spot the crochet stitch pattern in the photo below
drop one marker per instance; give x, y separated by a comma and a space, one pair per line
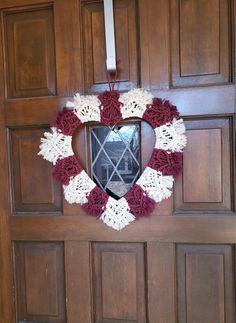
110, 108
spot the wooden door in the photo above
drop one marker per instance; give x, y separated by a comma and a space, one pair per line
58, 265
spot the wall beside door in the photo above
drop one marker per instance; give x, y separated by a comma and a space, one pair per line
59, 265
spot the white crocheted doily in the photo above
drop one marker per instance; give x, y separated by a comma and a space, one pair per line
171, 136
79, 188
157, 186
116, 214
55, 146
85, 107
135, 103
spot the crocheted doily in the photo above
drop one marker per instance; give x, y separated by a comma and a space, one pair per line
110, 108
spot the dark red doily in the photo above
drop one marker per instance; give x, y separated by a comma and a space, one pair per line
110, 108
160, 112
66, 121
65, 169
140, 204
97, 201
167, 163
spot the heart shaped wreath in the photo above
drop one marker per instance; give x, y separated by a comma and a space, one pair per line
110, 108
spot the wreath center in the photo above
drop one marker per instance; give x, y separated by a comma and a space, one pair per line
115, 155
110, 108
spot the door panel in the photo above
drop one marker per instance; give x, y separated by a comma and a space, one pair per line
176, 266
200, 42
40, 282
30, 72
125, 15
33, 190
157, 67
119, 287
207, 168
205, 283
